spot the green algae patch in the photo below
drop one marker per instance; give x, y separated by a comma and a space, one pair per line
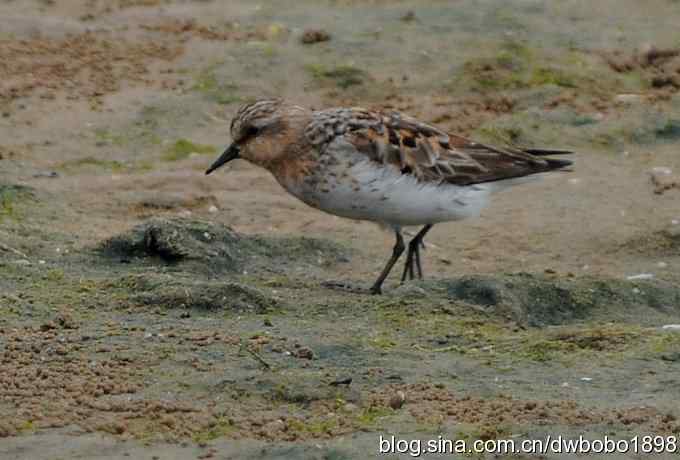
208, 84
664, 242
93, 163
570, 344
516, 66
182, 148
634, 126
107, 137
343, 76
12, 199
371, 415
222, 427
655, 127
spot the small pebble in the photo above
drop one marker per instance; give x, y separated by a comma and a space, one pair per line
628, 98
662, 170
311, 36
213, 209
349, 407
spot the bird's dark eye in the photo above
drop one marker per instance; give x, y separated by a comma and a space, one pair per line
252, 131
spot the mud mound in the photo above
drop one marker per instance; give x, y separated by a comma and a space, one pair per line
538, 300
209, 247
171, 292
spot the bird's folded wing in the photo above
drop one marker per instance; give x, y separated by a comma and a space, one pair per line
432, 155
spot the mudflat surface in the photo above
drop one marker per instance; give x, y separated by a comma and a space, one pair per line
147, 310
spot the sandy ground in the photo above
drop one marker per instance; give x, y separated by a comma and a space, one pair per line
148, 311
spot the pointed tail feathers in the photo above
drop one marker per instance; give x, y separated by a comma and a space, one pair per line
553, 163
558, 164
542, 152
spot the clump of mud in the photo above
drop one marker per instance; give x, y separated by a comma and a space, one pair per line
660, 66
538, 300
170, 292
209, 247
311, 36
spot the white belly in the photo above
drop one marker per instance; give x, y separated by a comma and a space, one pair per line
367, 191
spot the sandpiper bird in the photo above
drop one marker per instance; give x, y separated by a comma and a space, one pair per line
384, 167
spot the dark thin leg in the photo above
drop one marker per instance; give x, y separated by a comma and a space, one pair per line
418, 266
413, 257
396, 253
417, 243
408, 266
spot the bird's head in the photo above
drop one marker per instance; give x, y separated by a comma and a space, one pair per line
260, 132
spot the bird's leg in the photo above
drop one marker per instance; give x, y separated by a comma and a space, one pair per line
418, 243
408, 265
396, 253
418, 266
413, 257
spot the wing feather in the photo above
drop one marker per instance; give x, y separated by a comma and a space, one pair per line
424, 151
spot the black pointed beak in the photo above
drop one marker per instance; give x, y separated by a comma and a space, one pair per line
231, 153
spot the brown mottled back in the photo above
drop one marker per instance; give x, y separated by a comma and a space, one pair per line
424, 151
